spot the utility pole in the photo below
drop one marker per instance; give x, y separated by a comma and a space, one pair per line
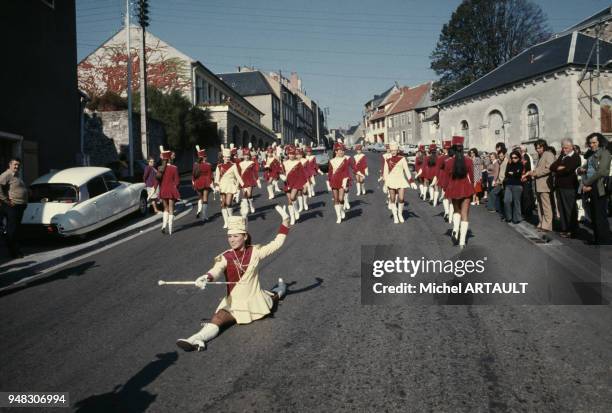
143, 21
129, 86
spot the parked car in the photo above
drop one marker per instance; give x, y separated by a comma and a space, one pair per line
368, 146
76, 201
378, 147
408, 149
322, 157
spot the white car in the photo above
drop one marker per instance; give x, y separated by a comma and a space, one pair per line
76, 201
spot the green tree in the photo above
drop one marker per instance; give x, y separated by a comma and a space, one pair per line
480, 36
185, 125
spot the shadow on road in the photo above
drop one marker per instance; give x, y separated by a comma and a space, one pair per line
129, 397
314, 285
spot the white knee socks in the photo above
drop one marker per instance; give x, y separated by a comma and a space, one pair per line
338, 209
463, 233
199, 339
435, 197
170, 221
244, 207
252, 208
305, 202
445, 205
456, 223
199, 207
270, 191
347, 205
164, 220
451, 211
400, 211
394, 211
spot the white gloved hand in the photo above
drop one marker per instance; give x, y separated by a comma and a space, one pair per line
258, 184
202, 281
328, 186
283, 177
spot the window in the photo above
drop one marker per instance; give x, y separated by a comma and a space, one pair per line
96, 187
390, 122
210, 93
403, 136
465, 131
111, 181
54, 193
606, 114
533, 122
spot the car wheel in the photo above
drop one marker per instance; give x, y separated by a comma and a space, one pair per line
143, 205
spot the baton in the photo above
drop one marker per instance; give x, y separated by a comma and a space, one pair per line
162, 282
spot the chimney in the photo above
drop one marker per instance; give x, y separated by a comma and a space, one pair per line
295, 81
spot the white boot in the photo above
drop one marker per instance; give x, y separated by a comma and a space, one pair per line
270, 191
291, 210
338, 209
312, 190
276, 188
237, 197
300, 204
342, 213
199, 339
394, 211
199, 208
436, 197
400, 211
445, 205
164, 221
451, 211
431, 193
280, 289
244, 208
463, 233
305, 201
251, 207
205, 212
456, 223
423, 191
224, 214
347, 204
170, 221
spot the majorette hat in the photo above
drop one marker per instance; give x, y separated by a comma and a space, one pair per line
300, 151
457, 140
245, 151
421, 147
446, 144
164, 154
201, 152
290, 150
270, 150
308, 149
358, 147
433, 147
236, 225
339, 146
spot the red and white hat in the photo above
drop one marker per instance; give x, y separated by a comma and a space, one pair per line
270, 150
290, 150
308, 149
339, 146
358, 147
433, 147
457, 140
246, 151
299, 151
201, 152
421, 147
164, 154
446, 144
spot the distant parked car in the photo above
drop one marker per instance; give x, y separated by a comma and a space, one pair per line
322, 157
378, 147
76, 201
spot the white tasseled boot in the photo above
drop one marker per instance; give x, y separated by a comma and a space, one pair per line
358, 186
291, 210
338, 209
451, 211
400, 211
300, 204
456, 223
270, 191
431, 193
224, 214
244, 208
423, 190
435, 197
305, 202
394, 212
276, 188
342, 213
347, 204
164, 221
463, 230
312, 190
251, 207
445, 205
199, 339
170, 221
441, 195
199, 208
363, 190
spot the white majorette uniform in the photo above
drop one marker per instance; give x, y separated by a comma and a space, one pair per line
245, 300
248, 173
228, 179
361, 169
338, 175
397, 176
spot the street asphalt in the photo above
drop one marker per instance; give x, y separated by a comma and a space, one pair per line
104, 331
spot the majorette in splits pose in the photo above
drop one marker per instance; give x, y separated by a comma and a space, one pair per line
228, 180
201, 180
460, 189
245, 301
396, 175
338, 175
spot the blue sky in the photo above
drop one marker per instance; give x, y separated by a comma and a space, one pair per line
344, 50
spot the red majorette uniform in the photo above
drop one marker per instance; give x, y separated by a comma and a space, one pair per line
201, 180
339, 174
431, 172
295, 179
360, 168
418, 168
313, 169
303, 197
397, 175
272, 171
460, 189
249, 177
442, 178
168, 189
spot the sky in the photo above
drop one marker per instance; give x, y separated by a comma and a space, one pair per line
345, 51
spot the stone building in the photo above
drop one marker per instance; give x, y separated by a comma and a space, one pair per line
403, 121
373, 127
551, 91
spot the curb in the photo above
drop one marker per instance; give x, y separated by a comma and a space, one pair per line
87, 249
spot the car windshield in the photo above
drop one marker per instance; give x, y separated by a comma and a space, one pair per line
53, 193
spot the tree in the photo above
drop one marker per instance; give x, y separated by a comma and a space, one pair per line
480, 36
185, 125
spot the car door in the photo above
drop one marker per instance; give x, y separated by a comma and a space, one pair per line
118, 192
100, 197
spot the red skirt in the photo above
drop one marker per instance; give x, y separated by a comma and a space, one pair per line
202, 183
295, 180
248, 179
459, 188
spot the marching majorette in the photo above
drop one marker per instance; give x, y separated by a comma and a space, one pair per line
228, 180
460, 190
245, 301
430, 170
442, 175
201, 180
295, 179
272, 171
338, 173
247, 169
314, 169
397, 174
419, 160
447, 175
168, 191
303, 193
361, 169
